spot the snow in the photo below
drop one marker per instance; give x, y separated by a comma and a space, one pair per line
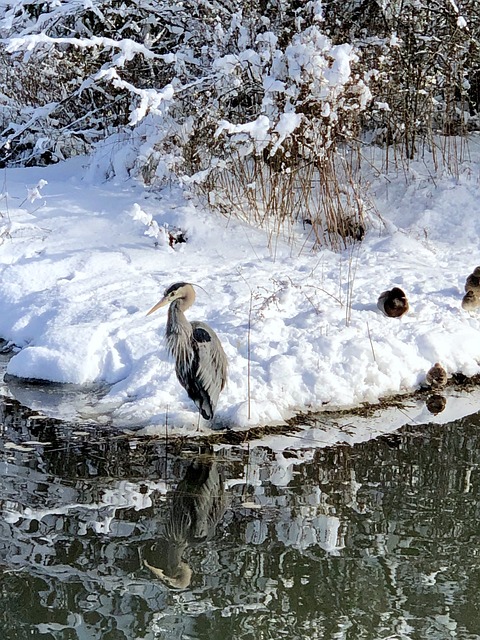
83, 260
287, 124
129, 49
257, 131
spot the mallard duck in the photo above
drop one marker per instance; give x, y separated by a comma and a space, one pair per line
436, 376
473, 282
393, 303
470, 301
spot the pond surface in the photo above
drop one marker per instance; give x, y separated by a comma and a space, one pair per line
110, 536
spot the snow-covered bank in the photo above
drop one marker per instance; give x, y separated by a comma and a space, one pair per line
79, 274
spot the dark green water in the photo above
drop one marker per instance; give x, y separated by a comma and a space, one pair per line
378, 541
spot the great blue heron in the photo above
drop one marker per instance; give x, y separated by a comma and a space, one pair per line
200, 361
393, 303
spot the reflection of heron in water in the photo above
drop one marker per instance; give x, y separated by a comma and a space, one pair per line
198, 504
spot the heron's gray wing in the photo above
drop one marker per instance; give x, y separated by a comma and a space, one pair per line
188, 374
212, 361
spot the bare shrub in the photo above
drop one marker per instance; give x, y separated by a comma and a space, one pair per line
325, 198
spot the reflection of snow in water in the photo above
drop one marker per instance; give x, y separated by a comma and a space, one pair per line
303, 531
300, 532
124, 495
81, 526
304, 520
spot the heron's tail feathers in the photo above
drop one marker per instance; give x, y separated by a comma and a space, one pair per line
205, 406
198, 391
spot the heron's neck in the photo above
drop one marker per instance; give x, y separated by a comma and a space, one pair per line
188, 298
179, 330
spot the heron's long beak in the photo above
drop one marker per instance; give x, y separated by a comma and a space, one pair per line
181, 580
159, 304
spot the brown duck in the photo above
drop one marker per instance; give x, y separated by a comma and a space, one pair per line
436, 376
470, 301
393, 303
473, 282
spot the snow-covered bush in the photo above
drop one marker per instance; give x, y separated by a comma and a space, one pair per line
256, 106
75, 72
203, 91
422, 61
78, 72
281, 163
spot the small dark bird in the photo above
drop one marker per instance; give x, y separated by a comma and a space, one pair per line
393, 303
470, 301
200, 361
473, 282
436, 376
